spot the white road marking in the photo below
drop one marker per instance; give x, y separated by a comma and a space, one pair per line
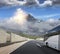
38, 44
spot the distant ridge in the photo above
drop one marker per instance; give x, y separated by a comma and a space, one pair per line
55, 29
30, 18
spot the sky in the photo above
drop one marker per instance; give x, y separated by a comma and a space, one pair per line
14, 14
41, 9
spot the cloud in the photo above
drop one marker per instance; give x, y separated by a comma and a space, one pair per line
18, 22
48, 16
11, 2
31, 2
55, 2
18, 2
53, 22
19, 17
28, 3
24, 3
46, 3
50, 3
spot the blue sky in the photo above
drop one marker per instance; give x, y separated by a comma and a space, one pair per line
37, 12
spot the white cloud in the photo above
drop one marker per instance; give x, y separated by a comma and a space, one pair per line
17, 2
11, 2
48, 16
28, 3
19, 22
19, 17
49, 3
53, 22
25, 2
46, 3
55, 2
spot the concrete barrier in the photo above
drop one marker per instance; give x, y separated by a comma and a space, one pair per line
6, 37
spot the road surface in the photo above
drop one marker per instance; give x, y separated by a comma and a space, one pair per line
32, 48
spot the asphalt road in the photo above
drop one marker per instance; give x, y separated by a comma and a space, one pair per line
32, 48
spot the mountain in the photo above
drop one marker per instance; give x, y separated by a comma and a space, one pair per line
30, 18
54, 31
57, 28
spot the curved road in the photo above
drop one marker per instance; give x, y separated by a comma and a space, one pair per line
32, 48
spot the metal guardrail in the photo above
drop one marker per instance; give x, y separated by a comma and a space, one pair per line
52, 33
46, 36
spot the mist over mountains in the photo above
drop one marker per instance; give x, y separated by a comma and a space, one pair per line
27, 24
